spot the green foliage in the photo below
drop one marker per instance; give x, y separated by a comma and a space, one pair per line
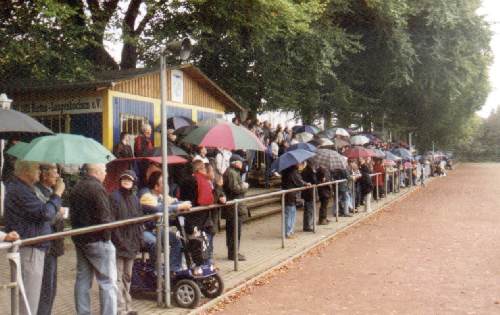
415, 66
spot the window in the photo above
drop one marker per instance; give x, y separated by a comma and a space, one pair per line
132, 123
56, 123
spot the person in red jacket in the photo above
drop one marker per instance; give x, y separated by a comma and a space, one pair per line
378, 167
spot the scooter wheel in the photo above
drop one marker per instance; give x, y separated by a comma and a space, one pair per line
187, 293
212, 286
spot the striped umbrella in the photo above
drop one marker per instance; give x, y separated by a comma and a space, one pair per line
329, 159
224, 135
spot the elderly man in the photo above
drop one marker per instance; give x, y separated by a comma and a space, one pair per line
234, 188
44, 189
95, 254
143, 146
30, 217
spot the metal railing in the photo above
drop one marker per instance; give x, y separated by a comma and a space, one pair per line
14, 246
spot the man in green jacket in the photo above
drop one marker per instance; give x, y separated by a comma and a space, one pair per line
234, 188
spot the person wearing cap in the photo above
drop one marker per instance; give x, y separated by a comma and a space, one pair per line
127, 239
234, 188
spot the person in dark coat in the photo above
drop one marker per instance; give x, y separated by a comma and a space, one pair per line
123, 148
291, 179
127, 239
143, 147
366, 185
234, 188
95, 253
30, 217
44, 189
309, 176
342, 174
324, 193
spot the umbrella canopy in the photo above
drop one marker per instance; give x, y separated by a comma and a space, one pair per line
63, 149
304, 137
176, 123
291, 158
184, 131
19, 126
303, 146
171, 150
403, 153
340, 143
306, 128
379, 154
391, 156
326, 142
389, 163
329, 159
224, 135
213, 122
338, 132
328, 134
358, 152
360, 140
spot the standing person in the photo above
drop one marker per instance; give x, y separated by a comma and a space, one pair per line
95, 253
324, 193
127, 239
143, 146
308, 175
123, 148
44, 189
272, 153
202, 155
379, 180
222, 160
366, 186
30, 217
291, 179
343, 190
234, 188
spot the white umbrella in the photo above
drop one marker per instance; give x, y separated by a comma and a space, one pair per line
304, 137
339, 132
359, 140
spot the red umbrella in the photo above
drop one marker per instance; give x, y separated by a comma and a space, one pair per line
116, 167
358, 152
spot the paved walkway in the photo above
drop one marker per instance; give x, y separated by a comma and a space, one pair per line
261, 243
435, 252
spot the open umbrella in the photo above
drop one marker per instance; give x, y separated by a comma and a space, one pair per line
19, 126
358, 152
171, 150
390, 156
184, 131
224, 135
403, 153
291, 158
329, 159
338, 132
305, 128
176, 123
213, 122
360, 140
304, 137
379, 154
63, 149
340, 143
325, 134
304, 146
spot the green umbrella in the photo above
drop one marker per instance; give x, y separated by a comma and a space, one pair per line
62, 149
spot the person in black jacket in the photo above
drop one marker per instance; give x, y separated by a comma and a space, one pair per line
291, 179
342, 174
127, 239
308, 175
95, 253
366, 186
324, 193
123, 148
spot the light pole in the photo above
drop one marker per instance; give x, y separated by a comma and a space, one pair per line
183, 48
5, 103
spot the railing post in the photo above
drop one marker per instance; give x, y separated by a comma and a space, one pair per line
14, 291
336, 201
314, 208
376, 186
283, 220
235, 235
353, 192
385, 185
159, 285
393, 183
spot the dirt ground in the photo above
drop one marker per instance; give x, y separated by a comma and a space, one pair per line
435, 252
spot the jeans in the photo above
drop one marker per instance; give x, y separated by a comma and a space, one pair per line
32, 263
175, 249
96, 259
343, 203
124, 269
290, 213
308, 215
49, 285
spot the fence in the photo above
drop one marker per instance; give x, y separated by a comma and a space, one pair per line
334, 185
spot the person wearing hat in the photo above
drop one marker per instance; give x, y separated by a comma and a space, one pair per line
127, 239
234, 188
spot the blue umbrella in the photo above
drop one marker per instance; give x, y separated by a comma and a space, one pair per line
391, 156
304, 146
403, 153
306, 128
291, 158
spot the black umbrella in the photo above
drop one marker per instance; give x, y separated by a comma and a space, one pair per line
176, 123
184, 131
171, 150
18, 126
